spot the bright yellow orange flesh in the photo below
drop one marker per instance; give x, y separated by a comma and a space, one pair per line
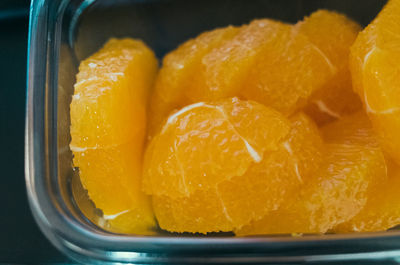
332, 34
176, 79
235, 202
108, 123
233, 142
276, 64
352, 166
382, 210
374, 64
204, 144
287, 70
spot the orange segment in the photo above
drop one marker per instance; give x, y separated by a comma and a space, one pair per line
112, 178
137, 220
382, 101
227, 67
351, 129
334, 100
287, 69
266, 61
375, 70
333, 34
382, 210
180, 68
202, 212
304, 146
110, 166
349, 171
268, 184
104, 90
108, 123
264, 186
201, 145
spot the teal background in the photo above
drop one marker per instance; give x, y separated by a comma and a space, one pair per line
20, 238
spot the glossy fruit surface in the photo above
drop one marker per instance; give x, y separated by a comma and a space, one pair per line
382, 210
108, 125
352, 166
265, 184
332, 34
274, 63
374, 63
203, 144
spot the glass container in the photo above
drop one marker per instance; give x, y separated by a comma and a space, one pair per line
63, 32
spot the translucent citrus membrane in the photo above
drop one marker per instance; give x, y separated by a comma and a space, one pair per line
109, 102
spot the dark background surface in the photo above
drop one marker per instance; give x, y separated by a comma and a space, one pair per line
21, 241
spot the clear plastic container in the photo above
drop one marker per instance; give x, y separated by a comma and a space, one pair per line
63, 32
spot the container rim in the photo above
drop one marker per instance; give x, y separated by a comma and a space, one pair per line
81, 242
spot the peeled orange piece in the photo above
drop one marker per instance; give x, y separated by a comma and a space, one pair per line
237, 201
382, 210
288, 68
180, 72
375, 68
352, 166
204, 144
332, 34
108, 124
266, 61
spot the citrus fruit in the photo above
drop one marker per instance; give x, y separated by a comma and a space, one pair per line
351, 167
205, 143
287, 70
375, 70
108, 123
266, 61
104, 171
180, 68
382, 210
235, 202
333, 34
335, 100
